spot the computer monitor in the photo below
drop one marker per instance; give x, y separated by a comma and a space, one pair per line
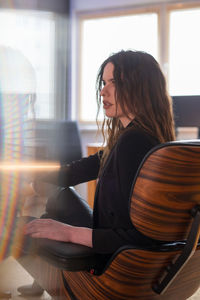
187, 111
57, 141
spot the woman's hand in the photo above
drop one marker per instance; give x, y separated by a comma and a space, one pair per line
54, 230
48, 228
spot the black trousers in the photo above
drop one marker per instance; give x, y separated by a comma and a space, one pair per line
67, 206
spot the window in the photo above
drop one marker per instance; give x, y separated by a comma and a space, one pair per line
184, 50
103, 36
33, 34
170, 32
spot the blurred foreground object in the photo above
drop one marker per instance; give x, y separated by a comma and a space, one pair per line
17, 97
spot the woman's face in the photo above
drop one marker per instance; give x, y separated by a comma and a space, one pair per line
111, 108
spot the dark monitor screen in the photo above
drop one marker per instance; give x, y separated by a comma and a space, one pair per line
186, 111
57, 140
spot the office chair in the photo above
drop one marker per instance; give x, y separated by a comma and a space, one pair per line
165, 206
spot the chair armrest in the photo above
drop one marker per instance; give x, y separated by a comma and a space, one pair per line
67, 256
75, 257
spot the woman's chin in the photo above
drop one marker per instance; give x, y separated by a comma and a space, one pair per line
109, 115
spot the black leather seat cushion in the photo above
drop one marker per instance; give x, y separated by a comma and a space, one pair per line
67, 256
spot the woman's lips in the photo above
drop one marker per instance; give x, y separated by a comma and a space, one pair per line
106, 104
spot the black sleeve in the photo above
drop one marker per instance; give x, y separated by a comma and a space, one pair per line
79, 171
130, 151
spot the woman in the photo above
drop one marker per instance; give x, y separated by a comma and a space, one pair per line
138, 116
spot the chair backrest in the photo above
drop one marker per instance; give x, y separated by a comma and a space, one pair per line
166, 188
68, 142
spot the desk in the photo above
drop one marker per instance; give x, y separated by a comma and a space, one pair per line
92, 149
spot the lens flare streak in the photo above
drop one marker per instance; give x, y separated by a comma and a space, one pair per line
29, 167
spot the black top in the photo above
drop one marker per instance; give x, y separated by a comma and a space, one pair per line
112, 226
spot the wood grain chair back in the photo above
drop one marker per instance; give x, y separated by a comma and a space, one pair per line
166, 189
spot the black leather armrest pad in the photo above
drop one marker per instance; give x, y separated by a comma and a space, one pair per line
67, 256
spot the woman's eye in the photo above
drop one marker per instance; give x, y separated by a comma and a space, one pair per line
103, 83
113, 81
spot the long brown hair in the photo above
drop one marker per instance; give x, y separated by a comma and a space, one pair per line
140, 87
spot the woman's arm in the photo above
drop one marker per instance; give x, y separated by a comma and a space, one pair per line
77, 172
54, 230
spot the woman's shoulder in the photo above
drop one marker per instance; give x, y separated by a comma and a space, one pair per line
133, 135
132, 146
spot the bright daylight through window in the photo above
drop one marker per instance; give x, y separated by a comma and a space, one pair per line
33, 34
184, 52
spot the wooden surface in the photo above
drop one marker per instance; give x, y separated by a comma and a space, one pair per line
92, 149
131, 276
166, 190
